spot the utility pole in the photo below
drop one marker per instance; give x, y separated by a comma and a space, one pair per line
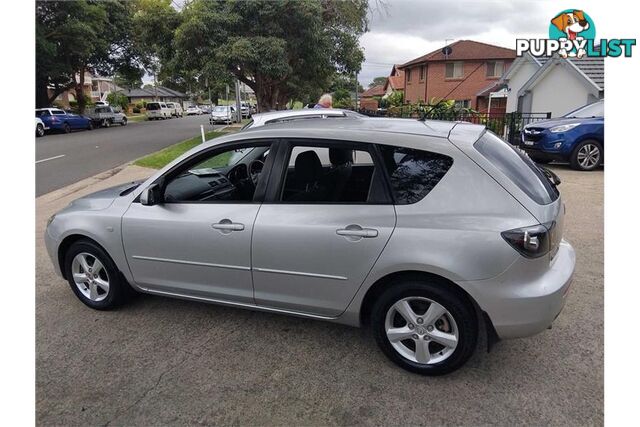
238, 107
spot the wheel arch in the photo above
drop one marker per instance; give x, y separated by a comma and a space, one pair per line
383, 283
66, 244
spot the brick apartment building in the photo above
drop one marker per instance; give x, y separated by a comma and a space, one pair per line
467, 73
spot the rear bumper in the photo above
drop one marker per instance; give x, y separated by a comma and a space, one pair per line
521, 302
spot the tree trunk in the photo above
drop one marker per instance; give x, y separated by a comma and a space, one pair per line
82, 101
42, 94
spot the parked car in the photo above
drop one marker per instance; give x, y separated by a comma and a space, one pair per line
222, 114
158, 111
246, 110
206, 109
193, 110
101, 103
57, 119
176, 109
357, 221
40, 128
577, 137
105, 116
280, 116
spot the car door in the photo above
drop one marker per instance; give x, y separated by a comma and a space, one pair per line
197, 241
326, 220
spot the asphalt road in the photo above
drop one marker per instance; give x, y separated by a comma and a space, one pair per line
62, 159
160, 361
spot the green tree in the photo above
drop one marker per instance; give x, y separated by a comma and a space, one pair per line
75, 37
282, 50
378, 81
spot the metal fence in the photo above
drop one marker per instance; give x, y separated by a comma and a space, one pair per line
507, 125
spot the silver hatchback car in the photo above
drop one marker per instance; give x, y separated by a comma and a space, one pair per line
429, 232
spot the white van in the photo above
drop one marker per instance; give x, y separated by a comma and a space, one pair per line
158, 111
176, 109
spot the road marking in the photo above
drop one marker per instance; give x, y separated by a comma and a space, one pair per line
50, 158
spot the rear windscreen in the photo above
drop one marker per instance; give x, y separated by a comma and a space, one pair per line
518, 167
153, 106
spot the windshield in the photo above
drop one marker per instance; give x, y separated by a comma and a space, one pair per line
220, 109
153, 106
592, 110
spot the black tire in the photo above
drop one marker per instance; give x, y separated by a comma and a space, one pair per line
39, 130
438, 291
90, 125
118, 288
575, 163
66, 128
123, 122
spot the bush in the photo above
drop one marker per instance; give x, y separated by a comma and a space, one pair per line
118, 99
136, 110
141, 105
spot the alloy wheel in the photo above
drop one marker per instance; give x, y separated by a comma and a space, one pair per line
589, 156
421, 330
40, 130
90, 276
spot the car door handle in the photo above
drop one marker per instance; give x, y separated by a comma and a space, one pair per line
227, 225
357, 231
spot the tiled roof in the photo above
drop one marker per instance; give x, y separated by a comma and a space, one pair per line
466, 50
377, 90
592, 67
396, 82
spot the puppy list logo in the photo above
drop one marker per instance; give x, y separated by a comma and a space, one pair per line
572, 33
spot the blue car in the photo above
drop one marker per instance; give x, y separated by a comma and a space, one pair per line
577, 137
57, 119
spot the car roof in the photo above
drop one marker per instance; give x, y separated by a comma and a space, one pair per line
359, 127
281, 114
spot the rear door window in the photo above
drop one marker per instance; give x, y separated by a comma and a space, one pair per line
413, 173
518, 167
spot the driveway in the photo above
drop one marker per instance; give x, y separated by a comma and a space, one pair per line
62, 159
164, 361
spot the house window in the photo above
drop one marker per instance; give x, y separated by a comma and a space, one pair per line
495, 68
453, 70
409, 75
462, 103
422, 72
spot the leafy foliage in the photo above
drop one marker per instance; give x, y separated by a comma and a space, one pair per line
378, 81
118, 99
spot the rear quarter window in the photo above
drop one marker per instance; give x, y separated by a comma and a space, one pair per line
518, 167
413, 173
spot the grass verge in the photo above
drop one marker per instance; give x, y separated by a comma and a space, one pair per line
161, 158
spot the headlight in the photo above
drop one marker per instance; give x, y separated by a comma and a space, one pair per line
50, 220
564, 128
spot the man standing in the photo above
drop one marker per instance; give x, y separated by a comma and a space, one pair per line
325, 101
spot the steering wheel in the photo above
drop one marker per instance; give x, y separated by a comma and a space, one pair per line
255, 167
238, 173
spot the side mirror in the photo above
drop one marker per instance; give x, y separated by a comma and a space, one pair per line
151, 195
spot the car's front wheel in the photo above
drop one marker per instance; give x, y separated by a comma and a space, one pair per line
93, 276
123, 122
425, 326
66, 128
587, 155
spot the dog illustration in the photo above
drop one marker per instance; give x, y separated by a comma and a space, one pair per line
572, 24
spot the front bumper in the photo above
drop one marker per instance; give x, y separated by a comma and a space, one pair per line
521, 302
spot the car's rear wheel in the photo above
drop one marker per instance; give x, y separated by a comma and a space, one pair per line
39, 130
93, 276
424, 326
587, 155
66, 128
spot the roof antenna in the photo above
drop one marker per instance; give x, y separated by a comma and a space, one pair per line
446, 50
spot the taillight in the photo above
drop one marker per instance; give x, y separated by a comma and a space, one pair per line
531, 242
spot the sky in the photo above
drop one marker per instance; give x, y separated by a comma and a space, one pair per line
402, 30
